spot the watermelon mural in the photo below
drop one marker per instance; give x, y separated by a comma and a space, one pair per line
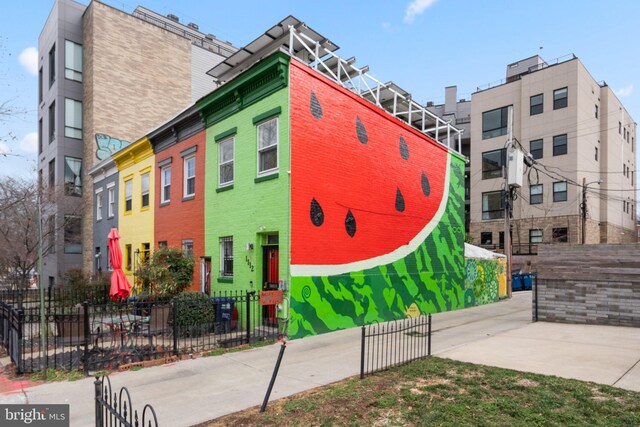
377, 213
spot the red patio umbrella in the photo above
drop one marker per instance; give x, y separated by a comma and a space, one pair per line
120, 286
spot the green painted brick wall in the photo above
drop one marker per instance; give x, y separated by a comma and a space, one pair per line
250, 210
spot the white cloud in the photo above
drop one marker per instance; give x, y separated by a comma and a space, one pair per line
415, 8
4, 149
30, 142
625, 91
29, 60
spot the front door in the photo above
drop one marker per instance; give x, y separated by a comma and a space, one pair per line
205, 275
270, 281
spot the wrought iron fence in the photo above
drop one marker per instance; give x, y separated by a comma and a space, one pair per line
394, 343
93, 337
115, 408
55, 296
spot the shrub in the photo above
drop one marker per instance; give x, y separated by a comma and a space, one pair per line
167, 273
194, 314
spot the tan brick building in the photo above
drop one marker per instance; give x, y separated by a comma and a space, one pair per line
578, 132
106, 78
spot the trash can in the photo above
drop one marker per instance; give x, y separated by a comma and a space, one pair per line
223, 307
517, 282
528, 281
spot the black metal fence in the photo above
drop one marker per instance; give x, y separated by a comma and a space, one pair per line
56, 296
394, 343
92, 336
116, 409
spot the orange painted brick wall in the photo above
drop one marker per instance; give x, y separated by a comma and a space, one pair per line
181, 219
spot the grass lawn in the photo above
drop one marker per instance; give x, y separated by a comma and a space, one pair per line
442, 392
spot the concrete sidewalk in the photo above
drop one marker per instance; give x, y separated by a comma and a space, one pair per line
195, 391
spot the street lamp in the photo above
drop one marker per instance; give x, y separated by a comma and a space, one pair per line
586, 184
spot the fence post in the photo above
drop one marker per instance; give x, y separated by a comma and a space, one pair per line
85, 308
429, 337
362, 354
18, 345
536, 296
175, 326
97, 384
248, 315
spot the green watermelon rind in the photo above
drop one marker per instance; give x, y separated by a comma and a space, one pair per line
308, 270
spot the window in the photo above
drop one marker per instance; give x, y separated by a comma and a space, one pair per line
620, 128
492, 162
486, 238
559, 98
52, 65
40, 86
560, 191
624, 133
52, 174
225, 162
128, 193
596, 111
535, 194
145, 190
536, 148
596, 153
72, 176
535, 235
72, 118
535, 104
165, 184
145, 253
493, 205
187, 247
127, 257
51, 231
268, 146
560, 145
226, 256
495, 122
72, 234
97, 256
72, 61
99, 206
189, 176
111, 195
162, 244
501, 240
40, 136
52, 121
559, 235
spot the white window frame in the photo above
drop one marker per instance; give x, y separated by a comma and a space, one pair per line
142, 190
99, 204
231, 141
111, 200
261, 150
164, 184
72, 69
224, 240
72, 127
128, 194
186, 178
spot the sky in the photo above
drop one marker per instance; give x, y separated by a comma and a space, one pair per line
421, 45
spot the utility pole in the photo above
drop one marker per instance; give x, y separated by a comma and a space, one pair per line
507, 202
584, 209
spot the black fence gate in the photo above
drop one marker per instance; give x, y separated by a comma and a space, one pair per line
115, 408
394, 343
11, 332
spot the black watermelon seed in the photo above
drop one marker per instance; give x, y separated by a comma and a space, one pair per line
317, 215
316, 108
350, 224
404, 150
399, 201
361, 131
426, 187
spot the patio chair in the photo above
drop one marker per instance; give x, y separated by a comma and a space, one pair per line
71, 329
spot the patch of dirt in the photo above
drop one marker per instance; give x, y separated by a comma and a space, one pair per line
599, 398
528, 383
386, 419
472, 374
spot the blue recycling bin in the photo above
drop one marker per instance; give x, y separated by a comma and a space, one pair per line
528, 281
223, 314
517, 282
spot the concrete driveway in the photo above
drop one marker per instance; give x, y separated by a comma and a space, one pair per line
500, 334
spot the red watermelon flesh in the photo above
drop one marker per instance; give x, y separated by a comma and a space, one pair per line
363, 183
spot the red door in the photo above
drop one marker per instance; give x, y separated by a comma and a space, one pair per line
271, 281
